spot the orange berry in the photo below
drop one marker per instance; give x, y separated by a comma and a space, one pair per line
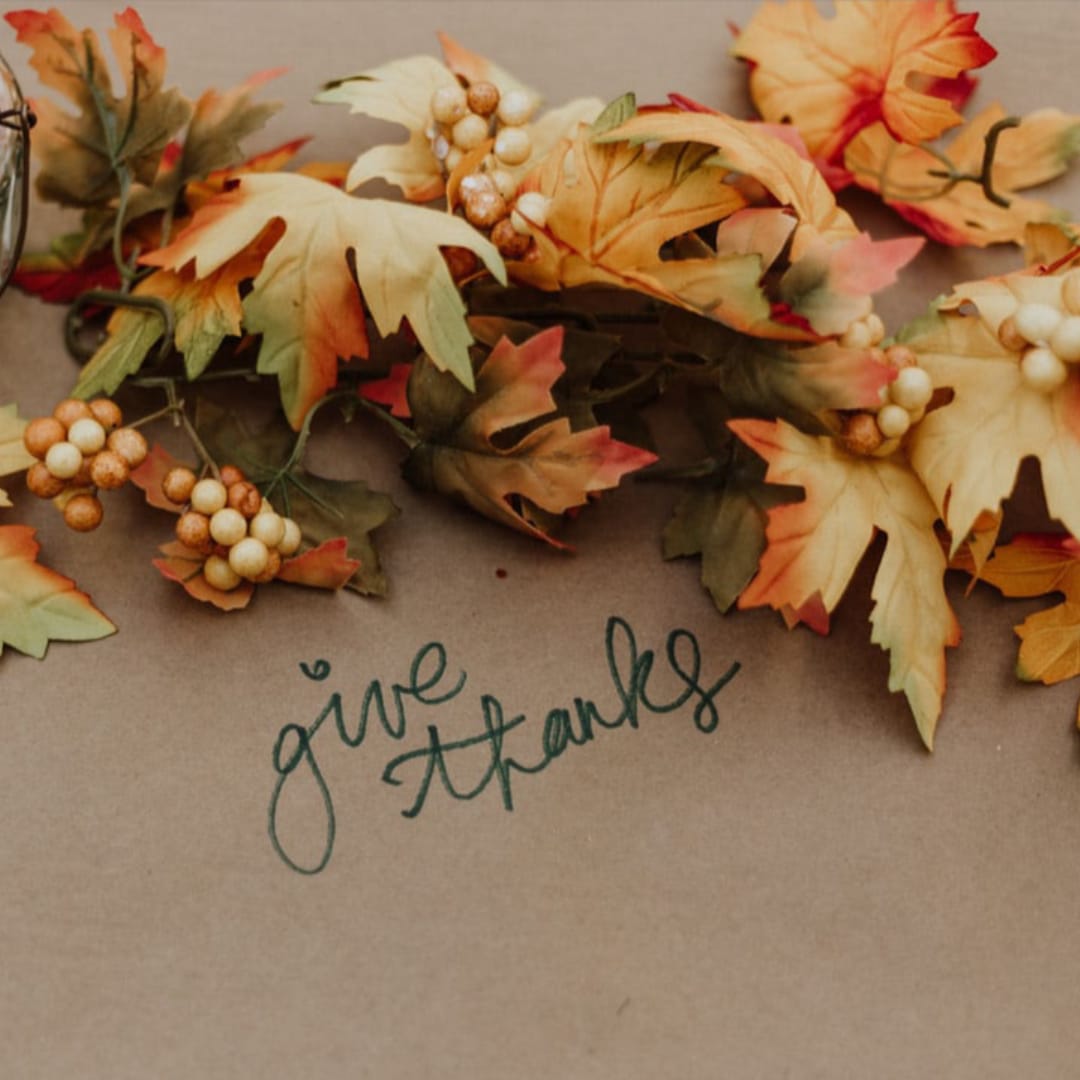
193, 531
83, 512
177, 485
273, 565
130, 445
108, 470
511, 243
230, 475
42, 483
460, 261
862, 436
71, 409
106, 412
42, 433
482, 98
484, 208
245, 497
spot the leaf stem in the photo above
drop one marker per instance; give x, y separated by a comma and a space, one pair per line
402, 431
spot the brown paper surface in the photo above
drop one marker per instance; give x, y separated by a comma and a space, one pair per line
802, 891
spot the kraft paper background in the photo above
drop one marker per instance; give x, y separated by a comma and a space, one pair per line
804, 892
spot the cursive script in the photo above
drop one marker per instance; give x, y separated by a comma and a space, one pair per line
430, 684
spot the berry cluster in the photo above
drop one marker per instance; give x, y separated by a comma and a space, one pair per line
81, 450
1047, 337
229, 522
904, 404
464, 118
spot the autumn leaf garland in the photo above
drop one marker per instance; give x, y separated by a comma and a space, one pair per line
819, 431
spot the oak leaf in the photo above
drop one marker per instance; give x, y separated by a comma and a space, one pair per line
894, 62
814, 547
968, 452
305, 302
38, 605
78, 153
1036, 151
470, 447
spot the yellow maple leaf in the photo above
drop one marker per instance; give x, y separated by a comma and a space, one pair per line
14, 457
872, 61
401, 92
1036, 151
1033, 565
814, 547
304, 301
968, 453
618, 199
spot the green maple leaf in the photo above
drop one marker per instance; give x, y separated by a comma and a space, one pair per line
323, 508
79, 154
38, 605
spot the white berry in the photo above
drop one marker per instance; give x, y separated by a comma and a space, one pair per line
532, 207
249, 557
504, 182
453, 158
87, 434
219, 574
1037, 322
857, 336
267, 527
893, 421
449, 104
1070, 292
1065, 340
290, 542
1042, 370
876, 327
63, 460
515, 108
513, 146
469, 132
228, 526
208, 496
912, 388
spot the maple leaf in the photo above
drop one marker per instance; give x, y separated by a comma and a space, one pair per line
305, 301
324, 567
814, 547
185, 566
893, 62
761, 378
205, 312
1036, 151
325, 509
722, 515
14, 457
1034, 565
401, 92
78, 155
38, 605
462, 449
968, 452
696, 178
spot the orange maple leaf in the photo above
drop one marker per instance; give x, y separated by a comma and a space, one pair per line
547, 471
897, 62
1034, 565
1036, 151
814, 547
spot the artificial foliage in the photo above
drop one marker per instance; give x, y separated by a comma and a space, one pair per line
547, 277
